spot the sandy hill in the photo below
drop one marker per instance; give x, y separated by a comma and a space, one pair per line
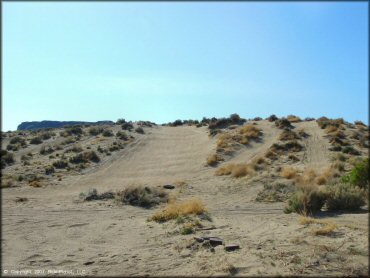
243, 174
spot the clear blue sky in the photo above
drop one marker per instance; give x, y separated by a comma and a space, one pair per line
167, 61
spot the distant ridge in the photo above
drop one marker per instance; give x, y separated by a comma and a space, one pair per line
56, 124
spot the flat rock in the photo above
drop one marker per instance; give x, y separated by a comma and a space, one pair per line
214, 241
232, 247
168, 186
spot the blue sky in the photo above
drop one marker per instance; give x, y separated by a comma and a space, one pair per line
183, 60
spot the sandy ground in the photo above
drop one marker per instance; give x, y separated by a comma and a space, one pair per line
52, 231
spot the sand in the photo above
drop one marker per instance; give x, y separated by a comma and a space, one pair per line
54, 231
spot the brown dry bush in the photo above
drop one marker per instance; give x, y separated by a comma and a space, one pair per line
142, 196
283, 123
250, 132
213, 159
327, 227
293, 119
288, 134
288, 172
235, 170
293, 157
302, 133
308, 176
175, 209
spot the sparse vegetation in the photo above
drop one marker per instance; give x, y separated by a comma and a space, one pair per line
95, 130
288, 172
36, 140
60, 164
85, 157
213, 159
343, 196
278, 192
107, 133
283, 123
235, 170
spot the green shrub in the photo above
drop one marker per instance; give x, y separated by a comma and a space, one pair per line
95, 130
122, 135
107, 133
13, 148
36, 140
17, 140
46, 150
359, 175
343, 196
307, 199
120, 121
127, 126
139, 130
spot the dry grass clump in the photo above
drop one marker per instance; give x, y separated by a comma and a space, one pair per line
271, 154
176, 209
327, 228
324, 177
302, 133
288, 134
293, 157
250, 132
235, 170
288, 172
224, 142
293, 119
213, 159
324, 122
35, 183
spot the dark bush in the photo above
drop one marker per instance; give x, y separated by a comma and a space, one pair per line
49, 170
107, 133
120, 121
60, 164
139, 130
272, 118
36, 140
142, 196
84, 157
350, 150
127, 126
283, 123
46, 150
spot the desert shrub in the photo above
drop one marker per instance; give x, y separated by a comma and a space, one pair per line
293, 119
69, 140
127, 126
293, 157
213, 159
46, 150
95, 130
290, 146
306, 200
36, 140
84, 157
340, 166
107, 133
302, 133
271, 154
272, 118
278, 192
60, 164
176, 209
18, 140
350, 150
359, 175
233, 119
46, 135
343, 196
288, 172
35, 183
235, 170
14, 148
73, 130
142, 196
139, 130
288, 134
92, 194
309, 119
7, 157
49, 170
250, 132
324, 122
176, 123
283, 123
122, 135
120, 121
257, 119
359, 123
